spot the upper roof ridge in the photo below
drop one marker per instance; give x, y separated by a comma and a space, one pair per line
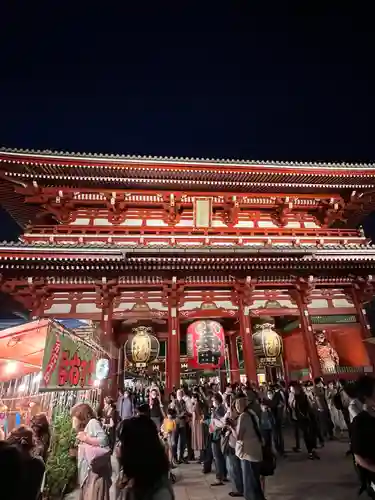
111, 156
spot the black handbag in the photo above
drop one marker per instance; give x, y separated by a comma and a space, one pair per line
268, 463
226, 448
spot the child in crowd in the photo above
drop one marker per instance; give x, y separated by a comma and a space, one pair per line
168, 431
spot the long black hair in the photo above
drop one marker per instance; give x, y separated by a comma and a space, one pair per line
142, 458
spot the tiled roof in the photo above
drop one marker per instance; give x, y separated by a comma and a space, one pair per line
66, 247
15, 205
176, 159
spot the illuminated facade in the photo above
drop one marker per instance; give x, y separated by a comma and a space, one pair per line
122, 241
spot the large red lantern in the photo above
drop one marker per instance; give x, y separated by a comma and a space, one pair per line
205, 344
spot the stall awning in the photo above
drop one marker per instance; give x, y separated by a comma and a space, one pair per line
22, 348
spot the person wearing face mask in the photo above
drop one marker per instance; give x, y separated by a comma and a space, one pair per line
363, 434
304, 420
311, 397
156, 410
180, 432
278, 411
216, 428
249, 450
124, 405
323, 414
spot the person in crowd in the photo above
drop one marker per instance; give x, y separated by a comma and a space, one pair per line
42, 435
156, 408
2, 434
363, 433
293, 416
143, 411
253, 399
353, 403
315, 421
144, 463
267, 430
278, 407
267, 423
228, 447
249, 450
284, 390
110, 419
124, 405
206, 398
216, 428
168, 430
323, 414
180, 434
197, 427
337, 416
12, 469
172, 399
304, 420
94, 456
228, 390
189, 410
33, 466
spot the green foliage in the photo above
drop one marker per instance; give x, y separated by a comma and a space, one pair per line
61, 467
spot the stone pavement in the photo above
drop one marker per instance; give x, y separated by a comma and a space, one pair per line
296, 478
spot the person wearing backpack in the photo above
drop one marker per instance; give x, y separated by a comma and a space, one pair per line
363, 434
335, 408
278, 407
216, 429
228, 447
249, 450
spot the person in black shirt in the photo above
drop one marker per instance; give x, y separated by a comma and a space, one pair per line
11, 469
302, 415
156, 409
34, 468
363, 433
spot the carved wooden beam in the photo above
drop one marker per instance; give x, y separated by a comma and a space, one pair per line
303, 287
231, 210
330, 211
243, 291
364, 288
117, 208
284, 206
173, 294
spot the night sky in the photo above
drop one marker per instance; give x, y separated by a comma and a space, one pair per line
251, 80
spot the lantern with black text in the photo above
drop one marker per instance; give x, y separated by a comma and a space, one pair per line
205, 344
143, 347
268, 345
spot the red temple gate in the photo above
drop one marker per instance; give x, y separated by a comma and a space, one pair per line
129, 241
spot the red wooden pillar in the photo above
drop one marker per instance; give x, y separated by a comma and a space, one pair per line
361, 313
247, 343
365, 327
173, 366
308, 337
168, 365
233, 359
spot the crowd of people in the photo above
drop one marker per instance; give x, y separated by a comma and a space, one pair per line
239, 432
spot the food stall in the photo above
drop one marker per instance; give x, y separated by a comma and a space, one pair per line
44, 367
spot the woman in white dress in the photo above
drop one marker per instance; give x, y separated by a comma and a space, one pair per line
94, 455
336, 414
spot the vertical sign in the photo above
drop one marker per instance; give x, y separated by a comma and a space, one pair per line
202, 213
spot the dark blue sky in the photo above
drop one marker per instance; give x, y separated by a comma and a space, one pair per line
253, 79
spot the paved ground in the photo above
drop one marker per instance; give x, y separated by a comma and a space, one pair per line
296, 478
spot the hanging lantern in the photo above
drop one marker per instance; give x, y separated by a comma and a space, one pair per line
143, 347
205, 344
268, 345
